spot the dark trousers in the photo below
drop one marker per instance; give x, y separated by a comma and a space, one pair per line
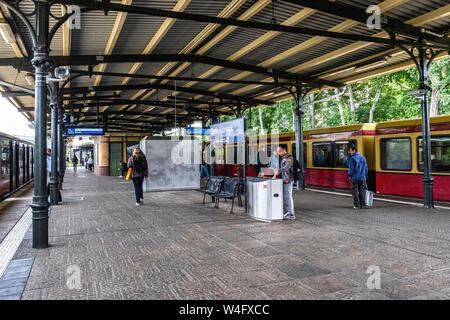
358, 190
124, 173
138, 191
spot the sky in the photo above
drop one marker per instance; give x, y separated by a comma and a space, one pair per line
13, 122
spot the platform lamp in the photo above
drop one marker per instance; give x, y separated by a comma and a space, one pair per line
29, 77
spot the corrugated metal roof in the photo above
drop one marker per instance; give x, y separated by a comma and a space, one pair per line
138, 30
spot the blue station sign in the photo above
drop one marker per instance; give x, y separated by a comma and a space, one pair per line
84, 131
198, 131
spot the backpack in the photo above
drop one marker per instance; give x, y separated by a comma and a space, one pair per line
296, 170
139, 165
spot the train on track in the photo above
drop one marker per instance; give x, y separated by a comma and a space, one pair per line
393, 150
16, 166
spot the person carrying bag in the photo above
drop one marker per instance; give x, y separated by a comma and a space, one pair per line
139, 170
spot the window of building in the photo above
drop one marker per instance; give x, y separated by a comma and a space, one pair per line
396, 154
440, 153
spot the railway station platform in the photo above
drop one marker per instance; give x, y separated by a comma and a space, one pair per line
174, 247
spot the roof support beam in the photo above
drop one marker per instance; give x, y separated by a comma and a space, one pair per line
360, 15
234, 22
160, 86
169, 78
92, 60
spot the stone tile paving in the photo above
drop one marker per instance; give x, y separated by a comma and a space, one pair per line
173, 247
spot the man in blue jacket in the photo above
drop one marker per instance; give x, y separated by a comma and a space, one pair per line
357, 173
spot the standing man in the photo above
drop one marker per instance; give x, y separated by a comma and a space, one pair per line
287, 174
357, 173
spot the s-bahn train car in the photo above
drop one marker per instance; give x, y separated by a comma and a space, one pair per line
393, 150
16, 165
327, 154
399, 164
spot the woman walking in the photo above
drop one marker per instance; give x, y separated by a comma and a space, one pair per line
139, 170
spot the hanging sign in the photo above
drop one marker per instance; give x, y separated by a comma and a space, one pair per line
84, 131
228, 132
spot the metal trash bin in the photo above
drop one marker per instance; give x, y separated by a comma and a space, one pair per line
265, 199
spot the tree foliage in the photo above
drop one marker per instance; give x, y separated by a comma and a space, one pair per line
393, 102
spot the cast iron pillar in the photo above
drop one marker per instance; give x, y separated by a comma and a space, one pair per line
423, 57
61, 157
298, 127
54, 185
41, 64
428, 201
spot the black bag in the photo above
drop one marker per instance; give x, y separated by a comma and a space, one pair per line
296, 170
139, 165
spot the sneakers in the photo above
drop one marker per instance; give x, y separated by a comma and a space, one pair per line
366, 207
142, 201
138, 204
120, 176
289, 216
355, 208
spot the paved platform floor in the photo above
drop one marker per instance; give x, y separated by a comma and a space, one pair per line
174, 247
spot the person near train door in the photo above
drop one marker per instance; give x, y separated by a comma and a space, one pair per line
357, 173
287, 174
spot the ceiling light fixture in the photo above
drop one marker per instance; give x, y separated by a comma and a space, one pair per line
6, 32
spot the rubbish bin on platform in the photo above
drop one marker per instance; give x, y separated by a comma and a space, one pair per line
265, 198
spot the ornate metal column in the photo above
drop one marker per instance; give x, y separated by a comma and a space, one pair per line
41, 64
54, 185
299, 95
428, 180
61, 151
423, 57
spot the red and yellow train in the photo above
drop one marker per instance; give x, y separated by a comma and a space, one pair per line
393, 150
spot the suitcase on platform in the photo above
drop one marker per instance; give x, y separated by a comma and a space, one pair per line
369, 198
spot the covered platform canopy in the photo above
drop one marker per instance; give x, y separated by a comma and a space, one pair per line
148, 66
129, 60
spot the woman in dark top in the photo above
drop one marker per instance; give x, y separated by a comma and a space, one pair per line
139, 171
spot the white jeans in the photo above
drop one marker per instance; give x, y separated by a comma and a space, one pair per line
287, 198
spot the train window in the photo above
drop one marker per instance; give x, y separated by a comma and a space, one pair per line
263, 156
340, 152
305, 153
240, 156
220, 154
322, 154
252, 151
396, 154
440, 153
231, 154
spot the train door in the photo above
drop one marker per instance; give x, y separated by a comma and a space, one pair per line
115, 156
5, 167
22, 164
16, 165
32, 162
27, 163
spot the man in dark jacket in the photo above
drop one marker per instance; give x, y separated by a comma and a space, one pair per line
287, 175
357, 173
